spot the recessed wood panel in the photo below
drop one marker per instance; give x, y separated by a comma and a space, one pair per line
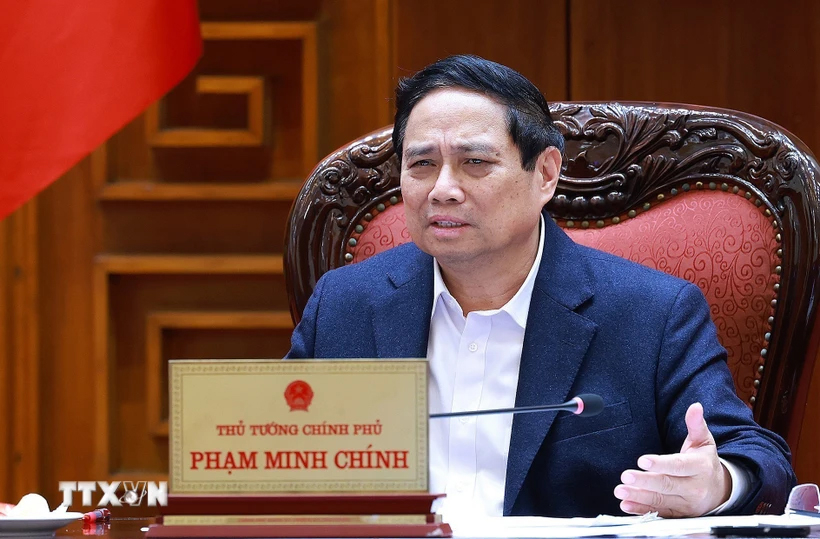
763, 58
246, 127
205, 335
245, 10
526, 35
124, 289
133, 298
356, 69
284, 191
212, 226
199, 132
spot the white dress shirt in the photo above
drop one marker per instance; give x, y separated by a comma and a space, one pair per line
474, 364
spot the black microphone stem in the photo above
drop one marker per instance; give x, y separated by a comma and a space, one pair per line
566, 407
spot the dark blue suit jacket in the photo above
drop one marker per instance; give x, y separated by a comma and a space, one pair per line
641, 339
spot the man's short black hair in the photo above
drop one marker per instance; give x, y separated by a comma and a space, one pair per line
528, 116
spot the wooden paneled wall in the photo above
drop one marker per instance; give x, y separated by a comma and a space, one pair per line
167, 241
758, 57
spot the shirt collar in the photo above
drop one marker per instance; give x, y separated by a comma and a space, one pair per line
519, 305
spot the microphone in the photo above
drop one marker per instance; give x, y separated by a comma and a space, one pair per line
586, 405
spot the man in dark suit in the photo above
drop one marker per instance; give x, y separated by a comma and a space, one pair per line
508, 310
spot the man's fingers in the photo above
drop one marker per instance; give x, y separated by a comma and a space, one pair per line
647, 498
698, 431
678, 464
662, 483
633, 508
689, 483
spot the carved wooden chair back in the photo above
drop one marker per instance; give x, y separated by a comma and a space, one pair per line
723, 199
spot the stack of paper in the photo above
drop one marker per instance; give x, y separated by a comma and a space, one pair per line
634, 526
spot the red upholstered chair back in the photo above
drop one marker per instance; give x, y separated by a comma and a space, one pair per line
725, 200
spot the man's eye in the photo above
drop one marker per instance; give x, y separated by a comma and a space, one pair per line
476, 161
422, 163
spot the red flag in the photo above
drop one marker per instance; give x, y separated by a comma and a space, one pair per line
73, 72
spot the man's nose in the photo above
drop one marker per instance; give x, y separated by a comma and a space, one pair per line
447, 187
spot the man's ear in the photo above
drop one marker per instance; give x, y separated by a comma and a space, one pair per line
547, 172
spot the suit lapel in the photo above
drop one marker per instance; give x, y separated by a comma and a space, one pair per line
401, 321
555, 343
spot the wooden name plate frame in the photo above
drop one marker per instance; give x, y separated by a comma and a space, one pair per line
255, 426
320, 448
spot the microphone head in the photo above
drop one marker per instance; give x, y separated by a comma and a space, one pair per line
592, 404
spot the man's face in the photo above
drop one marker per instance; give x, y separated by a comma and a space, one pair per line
467, 199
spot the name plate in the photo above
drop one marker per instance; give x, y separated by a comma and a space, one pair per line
262, 426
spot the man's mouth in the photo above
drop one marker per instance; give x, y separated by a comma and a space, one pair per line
447, 224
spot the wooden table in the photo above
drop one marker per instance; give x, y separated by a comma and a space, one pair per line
117, 528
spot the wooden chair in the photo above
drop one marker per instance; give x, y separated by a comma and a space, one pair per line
723, 199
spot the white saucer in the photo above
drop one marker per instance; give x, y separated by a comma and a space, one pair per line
28, 526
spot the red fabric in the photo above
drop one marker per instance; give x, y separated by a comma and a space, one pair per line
388, 229
74, 72
725, 245
717, 240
